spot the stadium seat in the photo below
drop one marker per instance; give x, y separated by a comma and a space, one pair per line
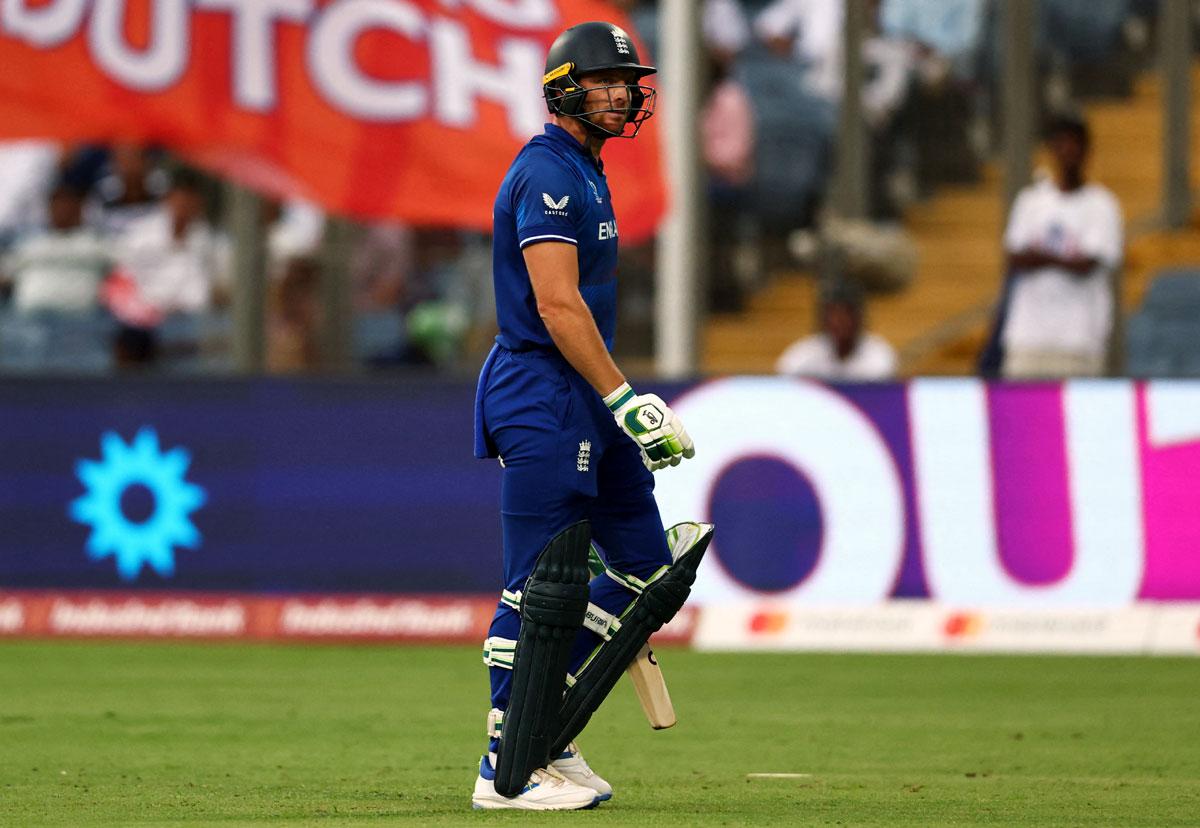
1163, 338
378, 335
53, 342
1083, 31
196, 343
1174, 293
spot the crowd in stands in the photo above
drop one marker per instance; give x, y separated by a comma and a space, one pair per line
124, 246
929, 101
117, 257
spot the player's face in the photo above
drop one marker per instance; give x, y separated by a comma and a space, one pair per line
608, 99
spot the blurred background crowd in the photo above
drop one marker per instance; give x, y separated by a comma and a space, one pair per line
120, 257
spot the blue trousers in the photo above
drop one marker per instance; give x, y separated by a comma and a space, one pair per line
565, 460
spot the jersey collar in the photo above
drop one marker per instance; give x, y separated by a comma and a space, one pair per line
557, 135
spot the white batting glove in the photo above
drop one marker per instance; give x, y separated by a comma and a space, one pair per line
652, 425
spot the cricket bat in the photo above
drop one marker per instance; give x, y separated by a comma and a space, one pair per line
651, 689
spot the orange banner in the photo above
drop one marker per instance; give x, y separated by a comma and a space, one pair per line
403, 109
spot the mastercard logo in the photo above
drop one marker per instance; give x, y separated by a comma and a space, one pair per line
766, 623
963, 625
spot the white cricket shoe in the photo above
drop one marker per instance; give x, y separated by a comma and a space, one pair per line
571, 764
547, 790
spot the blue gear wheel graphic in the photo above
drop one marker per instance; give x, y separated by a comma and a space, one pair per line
146, 543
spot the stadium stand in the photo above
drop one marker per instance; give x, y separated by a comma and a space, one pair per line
940, 323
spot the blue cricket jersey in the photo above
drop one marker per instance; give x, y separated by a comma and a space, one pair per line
554, 191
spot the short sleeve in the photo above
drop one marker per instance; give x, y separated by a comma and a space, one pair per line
1017, 234
547, 203
802, 358
1104, 237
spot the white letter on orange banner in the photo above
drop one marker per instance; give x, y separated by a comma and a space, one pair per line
161, 64
459, 78
45, 26
253, 51
331, 60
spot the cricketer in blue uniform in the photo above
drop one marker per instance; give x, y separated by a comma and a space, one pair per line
575, 442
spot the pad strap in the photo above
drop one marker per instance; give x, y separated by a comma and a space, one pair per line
632, 583
499, 652
601, 622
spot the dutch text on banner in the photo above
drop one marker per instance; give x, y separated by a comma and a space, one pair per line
393, 109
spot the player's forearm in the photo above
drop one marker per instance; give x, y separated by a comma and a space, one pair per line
1033, 259
574, 332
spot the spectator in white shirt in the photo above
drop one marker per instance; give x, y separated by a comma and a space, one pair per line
843, 350
293, 231
1064, 241
173, 256
725, 28
59, 269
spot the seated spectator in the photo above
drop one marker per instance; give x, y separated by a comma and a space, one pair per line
381, 265
169, 262
725, 30
173, 256
1064, 242
843, 350
27, 174
295, 318
949, 31
813, 30
727, 134
131, 191
947, 113
293, 230
61, 268
723, 26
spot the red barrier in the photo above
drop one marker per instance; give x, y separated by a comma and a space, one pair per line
401, 619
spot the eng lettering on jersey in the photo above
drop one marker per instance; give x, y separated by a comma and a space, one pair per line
608, 230
555, 208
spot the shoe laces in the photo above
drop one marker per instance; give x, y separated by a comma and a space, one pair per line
548, 777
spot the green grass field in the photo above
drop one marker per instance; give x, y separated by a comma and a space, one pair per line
173, 734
